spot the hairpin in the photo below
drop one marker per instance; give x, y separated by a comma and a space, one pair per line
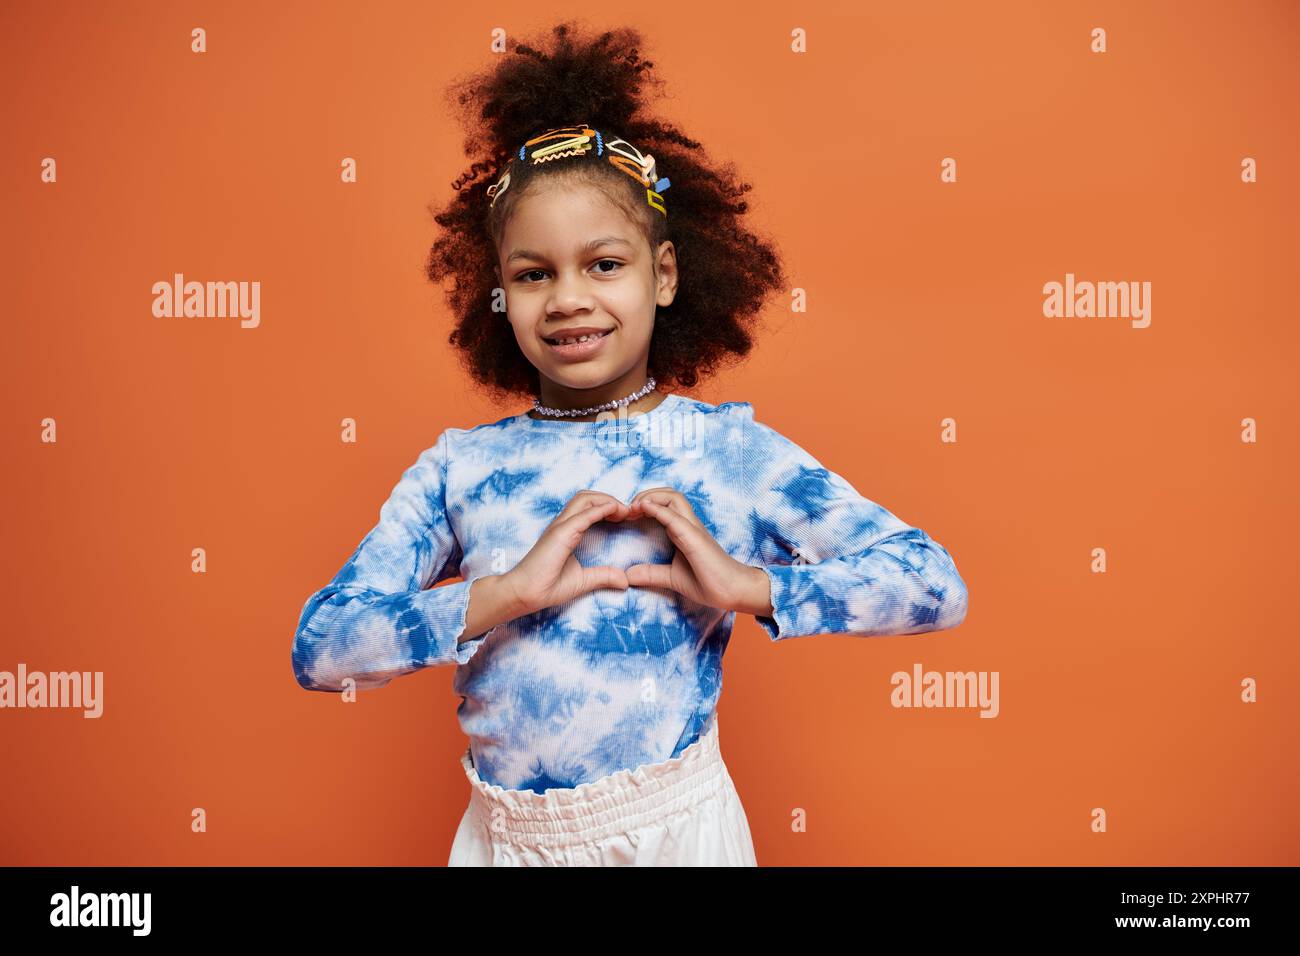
577, 141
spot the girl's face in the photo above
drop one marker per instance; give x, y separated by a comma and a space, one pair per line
569, 260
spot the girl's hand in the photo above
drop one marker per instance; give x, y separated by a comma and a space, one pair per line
549, 574
701, 570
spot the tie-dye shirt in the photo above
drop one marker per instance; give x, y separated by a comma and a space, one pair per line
615, 678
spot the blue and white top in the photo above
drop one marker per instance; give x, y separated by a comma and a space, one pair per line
613, 679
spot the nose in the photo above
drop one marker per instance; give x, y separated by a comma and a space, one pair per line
569, 293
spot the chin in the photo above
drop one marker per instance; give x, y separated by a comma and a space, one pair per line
592, 377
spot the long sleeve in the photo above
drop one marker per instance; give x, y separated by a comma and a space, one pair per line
838, 562
375, 620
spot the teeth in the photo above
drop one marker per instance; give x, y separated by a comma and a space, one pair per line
581, 338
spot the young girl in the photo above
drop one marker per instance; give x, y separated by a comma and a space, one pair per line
606, 539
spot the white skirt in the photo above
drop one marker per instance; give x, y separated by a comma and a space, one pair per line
681, 812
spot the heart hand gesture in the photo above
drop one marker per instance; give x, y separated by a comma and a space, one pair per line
700, 570
549, 574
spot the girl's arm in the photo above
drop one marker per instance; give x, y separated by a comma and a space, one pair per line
838, 563
375, 621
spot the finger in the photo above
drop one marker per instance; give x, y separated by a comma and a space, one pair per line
593, 510
667, 497
620, 509
582, 500
651, 576
681, 530
603, 577
646, 491
681, 533
636, 499
572, 528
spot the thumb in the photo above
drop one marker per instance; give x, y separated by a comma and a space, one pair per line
650, 576
606, 577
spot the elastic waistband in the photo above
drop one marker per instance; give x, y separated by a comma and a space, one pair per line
621, 801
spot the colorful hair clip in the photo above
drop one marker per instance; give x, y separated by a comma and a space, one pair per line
577, 141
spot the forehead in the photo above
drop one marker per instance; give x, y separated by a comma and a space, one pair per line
562, 220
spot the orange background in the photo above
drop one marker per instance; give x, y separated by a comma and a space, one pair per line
1118, 690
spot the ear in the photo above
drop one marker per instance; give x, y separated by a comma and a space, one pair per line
666, 271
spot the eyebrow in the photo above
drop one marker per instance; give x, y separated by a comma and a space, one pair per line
585, 250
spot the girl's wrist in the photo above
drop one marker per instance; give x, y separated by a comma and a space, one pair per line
757, 596
507, 596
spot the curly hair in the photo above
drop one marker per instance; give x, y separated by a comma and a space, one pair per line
725, 271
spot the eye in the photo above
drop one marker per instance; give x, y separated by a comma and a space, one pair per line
523, 276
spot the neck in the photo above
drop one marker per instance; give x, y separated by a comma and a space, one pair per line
554, 395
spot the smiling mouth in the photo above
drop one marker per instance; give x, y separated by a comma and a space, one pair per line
573, 341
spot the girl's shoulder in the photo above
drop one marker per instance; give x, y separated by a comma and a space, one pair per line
743, 409
451, 437
734, 414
